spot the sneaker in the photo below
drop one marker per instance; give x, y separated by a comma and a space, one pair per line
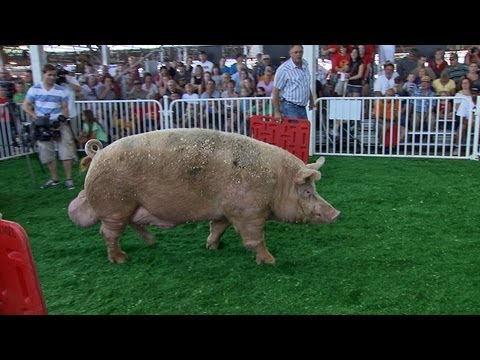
69, 184
50, 183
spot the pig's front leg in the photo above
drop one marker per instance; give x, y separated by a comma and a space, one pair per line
217, 229
252, 233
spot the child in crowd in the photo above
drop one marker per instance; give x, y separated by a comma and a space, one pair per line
410, 85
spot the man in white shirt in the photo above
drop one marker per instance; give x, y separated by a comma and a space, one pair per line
386, 80
204, 62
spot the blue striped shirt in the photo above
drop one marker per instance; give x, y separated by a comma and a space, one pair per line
293, 82
47, 101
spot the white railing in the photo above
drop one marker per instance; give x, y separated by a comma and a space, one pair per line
225, 114
392, 126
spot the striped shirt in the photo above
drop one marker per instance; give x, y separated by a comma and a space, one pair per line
293, 82
47, 101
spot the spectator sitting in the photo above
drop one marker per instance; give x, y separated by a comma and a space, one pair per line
444, 83
410, 86
137, 92
189, 95
386, 80
424, 108
445, 107
387, 112
456, 70
422, 59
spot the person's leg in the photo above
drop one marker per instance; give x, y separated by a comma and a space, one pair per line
66, 152
67, 166
52, 167
46, 153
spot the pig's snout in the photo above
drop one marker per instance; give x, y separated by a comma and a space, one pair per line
333, 215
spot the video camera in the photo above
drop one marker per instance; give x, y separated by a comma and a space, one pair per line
44, 131
60, 119
61, 75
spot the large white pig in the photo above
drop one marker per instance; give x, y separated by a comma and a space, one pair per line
170, 177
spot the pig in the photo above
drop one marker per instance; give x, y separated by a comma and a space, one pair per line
171, 177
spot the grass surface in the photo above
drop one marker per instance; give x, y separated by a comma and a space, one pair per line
407, 242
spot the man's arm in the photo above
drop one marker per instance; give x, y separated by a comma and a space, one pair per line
27, 107
311, 106
276, 104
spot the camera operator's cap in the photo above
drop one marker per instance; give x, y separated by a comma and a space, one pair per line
137, 82
426, 79
474, 90
388, 63
453, 56
265, 56
70, 68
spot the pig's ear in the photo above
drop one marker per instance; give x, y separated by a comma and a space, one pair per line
317, 164
306, 175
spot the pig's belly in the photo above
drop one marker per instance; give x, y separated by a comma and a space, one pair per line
168, 220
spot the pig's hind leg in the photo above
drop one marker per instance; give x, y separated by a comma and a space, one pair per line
142, 231
111, 231
217, 229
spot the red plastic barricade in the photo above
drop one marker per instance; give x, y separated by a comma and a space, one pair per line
20, 292
292, 135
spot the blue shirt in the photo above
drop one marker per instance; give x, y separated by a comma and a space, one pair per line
47, 101
423, 105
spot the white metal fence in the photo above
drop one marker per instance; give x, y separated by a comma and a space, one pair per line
355, 126
394, 126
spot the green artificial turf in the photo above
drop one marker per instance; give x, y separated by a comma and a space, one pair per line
407, 242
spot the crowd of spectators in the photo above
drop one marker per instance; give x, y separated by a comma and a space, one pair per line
353, 74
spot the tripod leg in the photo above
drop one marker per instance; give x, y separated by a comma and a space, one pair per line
30, 170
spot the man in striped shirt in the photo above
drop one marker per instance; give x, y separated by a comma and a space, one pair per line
291, 87
48, 98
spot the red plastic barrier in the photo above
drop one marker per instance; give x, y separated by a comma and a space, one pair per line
292, 135
20, 292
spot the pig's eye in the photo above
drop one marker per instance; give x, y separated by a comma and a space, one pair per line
305, 191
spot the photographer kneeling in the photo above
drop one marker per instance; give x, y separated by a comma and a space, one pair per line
51, 101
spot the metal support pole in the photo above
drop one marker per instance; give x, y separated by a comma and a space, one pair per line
310, 53
37, 60
105, 55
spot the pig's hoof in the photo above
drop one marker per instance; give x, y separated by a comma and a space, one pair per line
265, 259
118, 258
150, 240
212, 245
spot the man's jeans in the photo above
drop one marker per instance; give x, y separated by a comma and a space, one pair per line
290, 110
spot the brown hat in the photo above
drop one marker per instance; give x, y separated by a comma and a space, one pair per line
426, 79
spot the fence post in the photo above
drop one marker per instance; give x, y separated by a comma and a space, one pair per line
167, 113
476, 135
